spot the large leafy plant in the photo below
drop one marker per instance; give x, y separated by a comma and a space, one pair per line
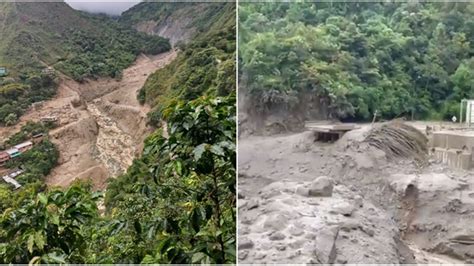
177, 203
48, 227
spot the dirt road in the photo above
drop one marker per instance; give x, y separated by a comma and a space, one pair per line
102, 125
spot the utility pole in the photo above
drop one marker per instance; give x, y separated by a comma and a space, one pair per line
375, 115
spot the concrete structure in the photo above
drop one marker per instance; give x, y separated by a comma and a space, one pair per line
3, 71
51, 119
13, 152
9, 178
454, 148
328, 132
467, 105
22, 147
4, 157
48, 71
38, 138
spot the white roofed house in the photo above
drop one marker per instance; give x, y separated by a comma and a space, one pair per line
22, 147
14, 152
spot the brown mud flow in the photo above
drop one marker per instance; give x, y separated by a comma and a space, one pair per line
102, 125
352, 201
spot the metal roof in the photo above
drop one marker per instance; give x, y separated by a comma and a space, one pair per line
24, 144
12, 151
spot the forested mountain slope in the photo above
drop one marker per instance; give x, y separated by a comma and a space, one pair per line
347, 60
76, 43
187, 171
205, 66
179, 22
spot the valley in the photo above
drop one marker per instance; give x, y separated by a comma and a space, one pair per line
121, 109
101, 124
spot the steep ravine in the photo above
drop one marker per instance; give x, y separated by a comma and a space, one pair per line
120, 123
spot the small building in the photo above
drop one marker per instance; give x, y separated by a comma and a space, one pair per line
4, 157
48, 71
3, 71
22, 147
51, 119
38, 138
13, 153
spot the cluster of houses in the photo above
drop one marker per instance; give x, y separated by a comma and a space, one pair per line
17, 150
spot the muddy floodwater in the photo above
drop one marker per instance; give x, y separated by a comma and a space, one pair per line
379, 209
101, 123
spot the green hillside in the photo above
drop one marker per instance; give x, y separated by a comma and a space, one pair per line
189, 177
37, 35
189, 19
76, 43
205, 66
347, 60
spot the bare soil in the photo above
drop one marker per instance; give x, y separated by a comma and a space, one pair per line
102, 125
415, 213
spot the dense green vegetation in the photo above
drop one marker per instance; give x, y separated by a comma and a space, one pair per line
108, 52
204, 66
196, 16
347, 60
17, 96
36, 162
79, 44
175, 204
48, 227
26, 132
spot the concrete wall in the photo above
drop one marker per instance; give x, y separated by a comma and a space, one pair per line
454, 158
454, 148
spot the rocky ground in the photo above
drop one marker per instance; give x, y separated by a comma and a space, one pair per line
380, 210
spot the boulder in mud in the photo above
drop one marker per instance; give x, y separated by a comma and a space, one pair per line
245, 244
343, 208
302, 191
326, 244
321, 187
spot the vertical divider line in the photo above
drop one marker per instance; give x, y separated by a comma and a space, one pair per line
237, 129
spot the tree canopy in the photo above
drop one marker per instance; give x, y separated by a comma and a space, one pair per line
347, 60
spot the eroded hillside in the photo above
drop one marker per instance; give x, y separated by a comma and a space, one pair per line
179, 22
102, 125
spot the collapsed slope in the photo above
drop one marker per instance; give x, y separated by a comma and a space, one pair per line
415, 212
110, 126
179, 22
101, 124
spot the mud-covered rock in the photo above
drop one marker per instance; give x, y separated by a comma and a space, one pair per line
343, 208
321, 187
245, 243
325, 245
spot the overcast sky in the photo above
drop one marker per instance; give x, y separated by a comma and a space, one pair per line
111, 7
